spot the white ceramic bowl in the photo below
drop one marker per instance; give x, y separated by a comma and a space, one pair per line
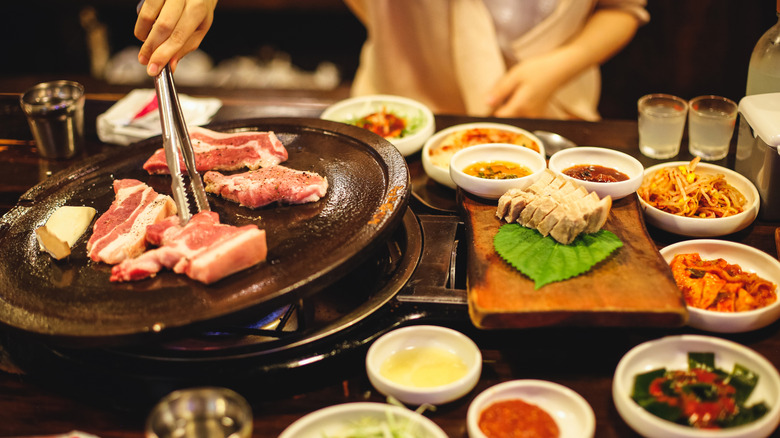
440, 172
494, 188
750, 260
336, 420
572, 414
672, 353
589, 155
705, 227
414, 112
424, 336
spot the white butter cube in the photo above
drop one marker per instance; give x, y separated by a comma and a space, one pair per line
63, 229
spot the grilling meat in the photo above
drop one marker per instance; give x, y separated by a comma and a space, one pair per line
226, 151
203, 249
260, 187
120, 233
556, 207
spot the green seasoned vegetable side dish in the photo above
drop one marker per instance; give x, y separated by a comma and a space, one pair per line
703, 396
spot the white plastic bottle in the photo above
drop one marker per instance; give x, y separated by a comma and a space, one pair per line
764, 68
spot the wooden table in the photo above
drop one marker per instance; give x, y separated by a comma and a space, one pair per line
583, 359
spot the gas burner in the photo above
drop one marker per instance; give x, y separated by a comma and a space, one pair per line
413, 278
335, 309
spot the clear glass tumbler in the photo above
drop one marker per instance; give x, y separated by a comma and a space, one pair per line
206, 412
55, 113
661, 125
710, 126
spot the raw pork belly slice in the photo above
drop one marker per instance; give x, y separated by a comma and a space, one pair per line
204, 250
120, 233
260, 187
556, 207
226, 151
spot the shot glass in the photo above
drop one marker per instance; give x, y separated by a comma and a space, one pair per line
661, 125
55, 113
711, 126
200, 412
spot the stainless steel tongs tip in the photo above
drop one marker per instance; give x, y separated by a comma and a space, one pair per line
186, 183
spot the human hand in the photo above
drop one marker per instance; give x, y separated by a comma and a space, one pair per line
525, 89
171, 29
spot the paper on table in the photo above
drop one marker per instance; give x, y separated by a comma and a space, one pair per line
119, 125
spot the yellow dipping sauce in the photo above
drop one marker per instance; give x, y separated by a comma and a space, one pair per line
423, 367
497, 170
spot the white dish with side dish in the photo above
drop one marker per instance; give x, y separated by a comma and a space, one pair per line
704, 227
437, 151
418, 119
671, 353
343, 419
750, 260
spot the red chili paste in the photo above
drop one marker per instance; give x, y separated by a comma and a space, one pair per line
517, 419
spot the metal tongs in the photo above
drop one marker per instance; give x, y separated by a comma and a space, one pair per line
186, 186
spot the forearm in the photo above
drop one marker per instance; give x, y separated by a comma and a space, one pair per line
602, 37
525, 89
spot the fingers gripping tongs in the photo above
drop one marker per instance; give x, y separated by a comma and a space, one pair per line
186, 184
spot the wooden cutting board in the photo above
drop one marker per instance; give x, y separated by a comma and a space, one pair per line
632, 287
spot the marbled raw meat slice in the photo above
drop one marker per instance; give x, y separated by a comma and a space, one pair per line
226, 151
120, 232
260, 187
204, 250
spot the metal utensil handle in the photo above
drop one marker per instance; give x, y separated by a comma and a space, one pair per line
181, 140
177, 145
172, 150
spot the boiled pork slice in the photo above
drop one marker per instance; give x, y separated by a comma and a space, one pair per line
203, 250
556, 207
260, 187
226, 151
120, 232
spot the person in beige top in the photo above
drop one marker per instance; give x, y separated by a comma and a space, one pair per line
507, 58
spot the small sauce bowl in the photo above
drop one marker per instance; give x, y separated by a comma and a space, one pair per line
424, 338
436, 154
570, 411
494, 188
588, 155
